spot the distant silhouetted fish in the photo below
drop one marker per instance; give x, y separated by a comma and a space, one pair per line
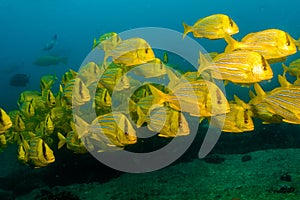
19, 80
50, 44
50, 60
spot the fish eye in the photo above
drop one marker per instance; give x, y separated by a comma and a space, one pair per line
146, 50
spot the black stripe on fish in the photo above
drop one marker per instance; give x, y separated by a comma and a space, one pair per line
1, 115
219, 98
264, 63
288, 42
230, 22
246, 118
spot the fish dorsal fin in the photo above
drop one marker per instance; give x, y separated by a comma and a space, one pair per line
283, 82
251, 94
62, 140
239, 101
258, 89
203, 63
159, 96
232, 43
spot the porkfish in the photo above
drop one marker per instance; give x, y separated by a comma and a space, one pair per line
107, 132
198, 98
40, 153
241, 66
166, 121
272, 44
130, 52
238, 120
107, 41
212, 27
293, 69
281, 101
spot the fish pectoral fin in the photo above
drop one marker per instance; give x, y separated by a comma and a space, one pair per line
62, 140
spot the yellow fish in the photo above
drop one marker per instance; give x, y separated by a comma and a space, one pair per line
47, 82
272, 44
293, 69
166, 121
151, 69
18, 124
199, 98
5, 121
102, 101
68, 76
113, 77
237, 120
40, 153
73, 142
50, 99
281, 101
107, 41
23, 150
107, 132
27, 109
27, 96
243, 67
212, 27
90, 72
133, 51
76, 93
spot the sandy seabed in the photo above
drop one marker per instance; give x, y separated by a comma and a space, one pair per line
265, 176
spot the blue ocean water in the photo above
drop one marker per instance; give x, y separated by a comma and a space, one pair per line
28, 25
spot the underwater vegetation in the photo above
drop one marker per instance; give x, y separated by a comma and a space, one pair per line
80, 120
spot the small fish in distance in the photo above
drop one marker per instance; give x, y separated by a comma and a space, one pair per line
19, 80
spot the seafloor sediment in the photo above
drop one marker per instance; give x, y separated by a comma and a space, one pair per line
260, 175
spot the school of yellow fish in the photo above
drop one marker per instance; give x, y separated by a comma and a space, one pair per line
45, 118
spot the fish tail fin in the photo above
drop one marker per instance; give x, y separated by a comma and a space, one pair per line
232, 43
285, 69
186, 29
251, 94
62, 140
174, 79
203, 63
158, 96
141, 117
239, 101
64, 60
